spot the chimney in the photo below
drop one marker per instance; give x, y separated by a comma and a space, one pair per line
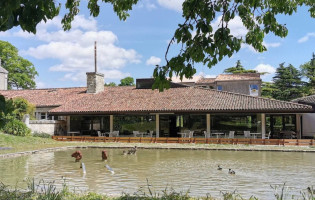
3, 78
94, 80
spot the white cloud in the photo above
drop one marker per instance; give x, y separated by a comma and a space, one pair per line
147, 4
40, 84
172, 4
306, 37
194, 79
75, 49
153, 61
235, 25
266, 44
266, 68
271, 45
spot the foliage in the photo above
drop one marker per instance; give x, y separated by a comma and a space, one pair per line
238, 69
21, 71
16, 107
308, 71
287, 83
16, 127
128, 81
110, 84
200, 40
27, 14
42, 135
11, 114
267, 89
47, 191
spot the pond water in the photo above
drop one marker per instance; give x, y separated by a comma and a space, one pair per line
182, 170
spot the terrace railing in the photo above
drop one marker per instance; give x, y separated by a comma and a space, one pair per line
233, 141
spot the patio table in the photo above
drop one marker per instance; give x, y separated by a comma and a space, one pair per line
218, 134
73, 133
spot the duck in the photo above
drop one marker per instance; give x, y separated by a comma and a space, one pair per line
219, 168
132, 150
124, 153
231, 171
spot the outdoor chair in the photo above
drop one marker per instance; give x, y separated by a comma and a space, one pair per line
267, 136
247, 134
187, 132
207, 135
135, 133
114, 134
231, 134
150, 134
99, 134
191, 134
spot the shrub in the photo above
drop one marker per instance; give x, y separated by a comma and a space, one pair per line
16, 127
42, 135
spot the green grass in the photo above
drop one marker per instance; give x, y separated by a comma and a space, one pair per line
48, 191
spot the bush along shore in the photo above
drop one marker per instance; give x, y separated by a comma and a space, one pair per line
48, 191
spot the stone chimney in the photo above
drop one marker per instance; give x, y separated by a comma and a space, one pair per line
94, 82
3, 78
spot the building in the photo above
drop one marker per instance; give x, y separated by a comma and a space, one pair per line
86, 110
308, 119
247, 83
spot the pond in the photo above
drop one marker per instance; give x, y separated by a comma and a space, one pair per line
182, 170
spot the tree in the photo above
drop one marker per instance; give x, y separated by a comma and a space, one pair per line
200, 42
238, 69
287, 83
110, 84
128, 81
21, 71
308, 71
267, 89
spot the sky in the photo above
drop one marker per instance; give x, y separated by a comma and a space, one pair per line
133, 47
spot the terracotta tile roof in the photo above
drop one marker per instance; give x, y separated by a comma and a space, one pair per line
237, 77
310, 100
205, 80
46, 97
189, 99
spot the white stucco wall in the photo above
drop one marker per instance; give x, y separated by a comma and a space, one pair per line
308, 124
51, 127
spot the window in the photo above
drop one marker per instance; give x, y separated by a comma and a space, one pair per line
253, 90
219, 87
42, 115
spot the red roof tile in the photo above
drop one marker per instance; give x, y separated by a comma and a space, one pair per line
46, 97
129, 99
205, 80
236, 77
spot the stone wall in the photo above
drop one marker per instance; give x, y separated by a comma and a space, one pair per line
94, 82
52, 127
241, 87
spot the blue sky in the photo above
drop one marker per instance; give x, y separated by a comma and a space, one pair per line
134, 47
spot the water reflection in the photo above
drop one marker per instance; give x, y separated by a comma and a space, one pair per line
182, 170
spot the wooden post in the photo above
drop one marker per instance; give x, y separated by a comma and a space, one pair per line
263, 125
208, 123
298, 126
157, 125
111, 123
